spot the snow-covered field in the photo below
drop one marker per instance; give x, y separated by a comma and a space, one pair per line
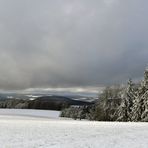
30, 113
35, 132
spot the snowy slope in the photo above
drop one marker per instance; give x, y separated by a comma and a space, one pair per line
34, 132
31, 112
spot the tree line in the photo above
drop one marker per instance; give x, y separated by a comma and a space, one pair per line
116, 103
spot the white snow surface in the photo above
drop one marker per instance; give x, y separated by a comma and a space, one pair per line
19, 131
30, 112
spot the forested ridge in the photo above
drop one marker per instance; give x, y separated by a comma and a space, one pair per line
44, 102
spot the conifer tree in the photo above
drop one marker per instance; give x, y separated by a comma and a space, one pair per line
124, 111
144, 115
140, 104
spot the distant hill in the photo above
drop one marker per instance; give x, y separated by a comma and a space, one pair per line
44, 102
62, 99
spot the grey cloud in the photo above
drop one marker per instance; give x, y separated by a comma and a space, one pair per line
62, 43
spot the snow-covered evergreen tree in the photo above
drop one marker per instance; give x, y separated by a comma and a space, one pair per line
140, 103
121, 112
136, 110
124, 112
130, 97
144, 115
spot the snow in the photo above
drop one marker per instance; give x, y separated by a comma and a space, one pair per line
10, 97
31, 112
33, 96
35, 132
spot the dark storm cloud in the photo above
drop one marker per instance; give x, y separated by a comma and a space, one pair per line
62, 43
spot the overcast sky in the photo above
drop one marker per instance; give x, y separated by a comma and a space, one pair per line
72, 43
